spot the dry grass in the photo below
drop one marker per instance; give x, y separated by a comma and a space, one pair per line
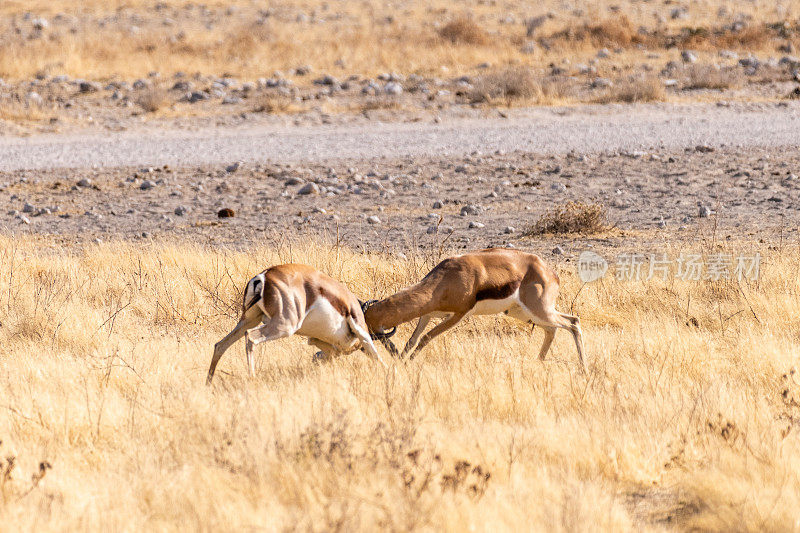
710, 77
464, 30
572, 217
649, 89
152, 99
275, 104
20, 111
519, 85
688, 417
368, 37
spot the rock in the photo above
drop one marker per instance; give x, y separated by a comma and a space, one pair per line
181, 210
230, 169
88, 87
373, 219
558, 250
688, 56
601, 83
28, 208
728, 54
509, 229
393, 88
703, 148
293, 181
24, 219
40, 23
662, 223
196, 96
558, 187
147, 184
85, 182
704, 211
476, 225
603, 53
226, 212
470, 210
231, 100
309, 188
97, 240
437, 204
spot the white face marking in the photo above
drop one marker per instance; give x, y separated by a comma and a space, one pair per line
492, 307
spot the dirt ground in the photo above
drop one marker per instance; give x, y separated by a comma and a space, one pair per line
401, 205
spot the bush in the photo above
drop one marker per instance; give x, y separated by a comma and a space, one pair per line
572, 217
463, 30
632, 91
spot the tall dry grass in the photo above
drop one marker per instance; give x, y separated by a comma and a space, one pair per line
368, 37
688, 417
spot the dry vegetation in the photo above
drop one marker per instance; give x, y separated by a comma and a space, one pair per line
708, 77
632, 91
572, 217
519, 85
130, 38
688, 417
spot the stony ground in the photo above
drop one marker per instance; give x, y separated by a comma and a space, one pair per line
469, 202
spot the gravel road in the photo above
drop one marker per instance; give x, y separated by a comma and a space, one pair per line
597, 129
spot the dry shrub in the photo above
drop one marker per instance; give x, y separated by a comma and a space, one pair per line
463, 30
633, 91
709, 77
274, 104
18, 110
616, 32
153, 99
572, 217
518, 84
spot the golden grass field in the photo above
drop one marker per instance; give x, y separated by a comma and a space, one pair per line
368, 36
688, 417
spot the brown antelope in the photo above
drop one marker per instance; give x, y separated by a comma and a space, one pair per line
297, 299
486, 282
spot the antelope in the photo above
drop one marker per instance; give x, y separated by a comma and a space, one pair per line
297, 299
486, 282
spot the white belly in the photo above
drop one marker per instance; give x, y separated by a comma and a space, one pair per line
323, 322
492, 307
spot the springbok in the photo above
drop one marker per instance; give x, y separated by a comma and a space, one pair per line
487, 282
297, 299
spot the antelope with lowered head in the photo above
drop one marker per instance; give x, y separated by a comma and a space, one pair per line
486, 282
297, 299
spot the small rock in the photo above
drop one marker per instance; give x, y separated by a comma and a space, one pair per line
293, 181
558, 250
309, 188
437, 204
147, 184
181, 210
373, 219
558, 187
509, 229
226, 212
703, 148
704, 211
470, 210
393, 88
85, 182
603, 53
28, 208
88, 87
476, 225
230, 169
688, 56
